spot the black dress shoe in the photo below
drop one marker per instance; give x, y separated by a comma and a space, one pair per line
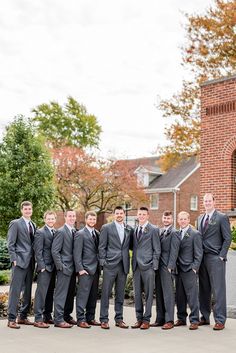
94, 323
203, 322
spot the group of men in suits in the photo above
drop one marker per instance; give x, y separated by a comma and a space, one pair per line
163, 259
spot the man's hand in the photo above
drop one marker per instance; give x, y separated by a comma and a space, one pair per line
83, 272
14, 263
169, 270
195, 271
43, 269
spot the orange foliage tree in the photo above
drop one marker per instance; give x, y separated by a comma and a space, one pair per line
86, 182
209, 53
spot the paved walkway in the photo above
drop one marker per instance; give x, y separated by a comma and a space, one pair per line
178, 340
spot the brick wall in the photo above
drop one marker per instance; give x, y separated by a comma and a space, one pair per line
218, 141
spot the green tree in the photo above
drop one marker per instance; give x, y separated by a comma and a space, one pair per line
209, 53
26, 173
68, 125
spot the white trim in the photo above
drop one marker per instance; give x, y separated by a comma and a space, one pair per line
187, 176
161, 190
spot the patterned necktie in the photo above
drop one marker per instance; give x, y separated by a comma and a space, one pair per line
53, 232
94, 238
206, 223
31, 232
140, 232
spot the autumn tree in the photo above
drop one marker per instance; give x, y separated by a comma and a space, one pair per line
26, 173
86, 182
209, 53
67, 125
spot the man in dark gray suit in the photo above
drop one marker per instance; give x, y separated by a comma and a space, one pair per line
188, 263
216, 234
20, 239
165, 293
87, 266
45, 265
145, 261
62, 253
114, 258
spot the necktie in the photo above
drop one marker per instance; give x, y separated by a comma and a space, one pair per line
163, 232
94, 238
181, 234
206, 223
53, 232
140, 232
31, 232
73, 231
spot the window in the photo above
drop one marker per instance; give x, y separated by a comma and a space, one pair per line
154, 201
194, 203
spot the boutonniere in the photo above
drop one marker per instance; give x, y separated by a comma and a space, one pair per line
146, 229
187, 235
211, 222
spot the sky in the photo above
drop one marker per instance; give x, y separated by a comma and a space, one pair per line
117, 57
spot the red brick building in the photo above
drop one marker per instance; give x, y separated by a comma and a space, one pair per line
218, 142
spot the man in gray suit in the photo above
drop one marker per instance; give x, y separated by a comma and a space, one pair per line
145, 261
114, 258
165, 294
188, 263
45, 265
62, 253
216, 234
20, 239
87, 266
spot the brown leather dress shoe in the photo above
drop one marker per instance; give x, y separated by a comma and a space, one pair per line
218, 326
24, 321
179, 323
83, 324
94, 323
49, 321
63, 325
145, 325
193, 326
105, 325
121, 324
13, 324
203, 322
168, 325
41, 324
71, 322
137, 324
156, 324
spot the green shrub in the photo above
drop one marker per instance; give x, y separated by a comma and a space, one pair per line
4, 256
4, 277
233, 233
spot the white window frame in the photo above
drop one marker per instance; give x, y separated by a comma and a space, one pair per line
154, 207
194, 203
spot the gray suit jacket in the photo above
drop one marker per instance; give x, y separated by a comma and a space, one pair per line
146, 251
62, 250
170, 243
217, 236
111, 251
19, 244
85, 251
42, 249
190, 251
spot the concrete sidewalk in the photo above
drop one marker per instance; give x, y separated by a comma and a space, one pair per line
30, 339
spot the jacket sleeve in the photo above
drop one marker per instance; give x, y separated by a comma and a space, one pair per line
38, 249
56, 249
78, 251
198, 251
226, 235
11, 240
156, 246
103, 241
174, 251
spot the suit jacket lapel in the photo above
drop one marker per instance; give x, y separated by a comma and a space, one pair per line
116, 232
89, 236
25, 226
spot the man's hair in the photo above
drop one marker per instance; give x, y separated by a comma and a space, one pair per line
25, 203
167, 213
90, 213
143, 208
70, 210
184, 213
119, 208
49, 213
209, 194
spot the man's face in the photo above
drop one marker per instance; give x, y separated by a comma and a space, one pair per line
91, 221
183, 220
27, 211
167, 220
119, 216
70, 218
50, 220
142, 216
208, 203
